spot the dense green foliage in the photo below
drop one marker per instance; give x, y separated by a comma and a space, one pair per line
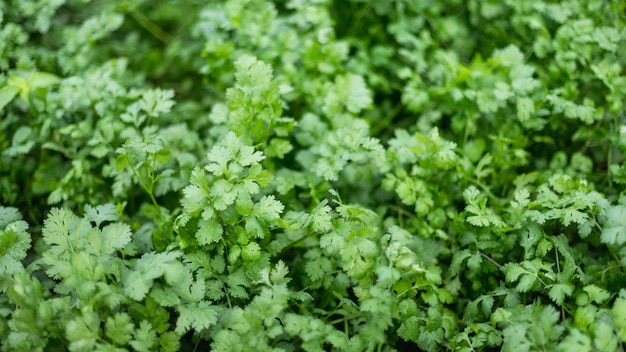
345, 175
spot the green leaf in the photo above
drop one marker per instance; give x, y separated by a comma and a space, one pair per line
278, 148
575, 341
83, 331
614, 229
252, 72
219, 157
101, 213
115, 236
27, 81
138, 282
14, 240
7, 94
199, 317
571, 110
558, 292
156, 102
22, 142
597, 294
527, 273
321, 217
209, 231
410, 329
119, 328
618, 313
144, 337
42, 79
268, 208
63, 230
223, 193
350, 90
482, 216
279, 273
251, 252
604, 339
169, 341
9, 215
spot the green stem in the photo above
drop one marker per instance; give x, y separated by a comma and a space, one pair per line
354, 316
558, 264
295, 242
385, 122
195, 347
483, 187
230, 306
153, 199
399, 210
152, 181
615, 128
303, 308
151, 27
145, 188
491, 260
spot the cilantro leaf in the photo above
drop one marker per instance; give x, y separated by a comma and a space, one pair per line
209, 231
14, 240
115, 236
614, 230
268, 208
144, 337
119, 328
101, 213
198, 317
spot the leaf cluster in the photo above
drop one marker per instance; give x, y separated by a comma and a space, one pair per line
312, 175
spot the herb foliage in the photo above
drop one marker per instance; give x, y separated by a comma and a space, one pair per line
312, 175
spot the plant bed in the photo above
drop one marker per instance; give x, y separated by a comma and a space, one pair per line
312, 175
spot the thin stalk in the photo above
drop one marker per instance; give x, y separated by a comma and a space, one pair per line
353, 316
295, 242
483, 187
380, 125
491, 260
145, 188
151, 27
